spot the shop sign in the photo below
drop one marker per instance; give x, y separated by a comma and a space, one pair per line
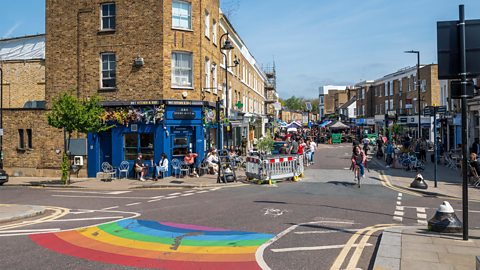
184, 113
184, 102
370, 121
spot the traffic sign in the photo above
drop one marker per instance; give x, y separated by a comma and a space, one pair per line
308, 105
427, 111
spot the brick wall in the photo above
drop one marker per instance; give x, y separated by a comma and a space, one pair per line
41, 159
22, 81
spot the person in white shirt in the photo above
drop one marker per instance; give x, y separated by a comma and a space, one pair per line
162, 166
212, 160
313, 147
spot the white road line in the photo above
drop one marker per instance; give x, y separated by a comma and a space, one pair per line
423, 222
399, 203
213, 189
34, 230
83, 219
400, 208
203, 191
156, 200
173, 194
109, 208
398, 213
327, 231
171, 197
399, 198
130, 204
82, 212
421, 209
101, 197
421, 216
398, 219
158, 197
313, 248
187, 194
188, 191
91, 192
400, 194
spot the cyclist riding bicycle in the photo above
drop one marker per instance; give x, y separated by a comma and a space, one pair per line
365, 142
359, 159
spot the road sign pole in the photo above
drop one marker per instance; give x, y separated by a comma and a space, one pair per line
463, 75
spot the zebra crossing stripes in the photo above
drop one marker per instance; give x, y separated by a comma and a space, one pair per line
399, 209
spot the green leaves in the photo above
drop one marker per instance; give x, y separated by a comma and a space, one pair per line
71, 114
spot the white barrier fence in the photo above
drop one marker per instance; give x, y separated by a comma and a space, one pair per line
267, 168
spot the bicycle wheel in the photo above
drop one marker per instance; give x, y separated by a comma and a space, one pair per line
358, 177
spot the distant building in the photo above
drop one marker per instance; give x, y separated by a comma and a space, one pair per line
326, 98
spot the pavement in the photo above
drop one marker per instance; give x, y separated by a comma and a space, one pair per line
414, 247
449, 181
12, 212
409, 248
123, 184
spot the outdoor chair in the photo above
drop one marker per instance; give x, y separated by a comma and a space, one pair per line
109, 170
203, 169
176, 164
473, 179
184, 169
124, 166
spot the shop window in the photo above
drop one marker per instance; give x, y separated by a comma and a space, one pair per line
21, 139
135, 144
180, 146
29, 139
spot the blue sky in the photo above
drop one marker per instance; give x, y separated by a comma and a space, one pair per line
313, 42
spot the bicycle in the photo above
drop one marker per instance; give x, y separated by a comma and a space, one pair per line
356, 173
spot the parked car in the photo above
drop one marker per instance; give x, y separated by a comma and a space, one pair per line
3, 177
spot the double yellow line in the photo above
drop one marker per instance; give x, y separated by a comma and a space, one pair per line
386, 183
355, 258
57, 212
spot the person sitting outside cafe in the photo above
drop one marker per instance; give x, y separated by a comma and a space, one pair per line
212, 160
140, 167
189, 160
162, 166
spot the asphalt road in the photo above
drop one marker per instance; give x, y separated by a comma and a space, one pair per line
322, 222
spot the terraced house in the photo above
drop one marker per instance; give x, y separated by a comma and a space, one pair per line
159, 68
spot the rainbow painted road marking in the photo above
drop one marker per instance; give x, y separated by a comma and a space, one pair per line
163, 245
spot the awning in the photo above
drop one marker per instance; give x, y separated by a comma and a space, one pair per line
325, 123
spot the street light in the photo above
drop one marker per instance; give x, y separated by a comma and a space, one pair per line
227, 46
418, 87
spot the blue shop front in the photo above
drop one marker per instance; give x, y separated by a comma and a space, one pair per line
150, 128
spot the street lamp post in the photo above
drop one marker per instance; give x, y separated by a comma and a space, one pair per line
227, 46
418, 87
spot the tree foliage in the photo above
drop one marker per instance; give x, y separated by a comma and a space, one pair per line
298, 103
74, 115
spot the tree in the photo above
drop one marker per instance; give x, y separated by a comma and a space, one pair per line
73, 115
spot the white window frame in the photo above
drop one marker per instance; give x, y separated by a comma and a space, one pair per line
424, 85
385, 85
108, 69
180, 17
189, 84
391, 105
207, 74
214, 78
108, 16
207, 24
214, 32
400, 87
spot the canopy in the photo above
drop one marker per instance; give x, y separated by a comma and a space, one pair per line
292, 129
326, 122
294, 125
339, 125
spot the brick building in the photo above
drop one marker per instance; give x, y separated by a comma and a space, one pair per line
30, 146
160, 61
396, 94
